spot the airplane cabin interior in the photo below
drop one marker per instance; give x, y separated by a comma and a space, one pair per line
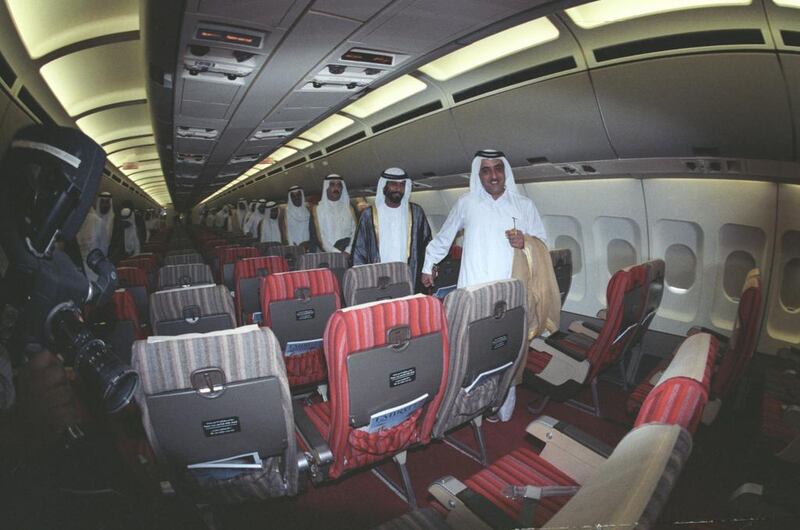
240, 361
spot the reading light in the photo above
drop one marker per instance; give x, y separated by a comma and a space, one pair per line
385, 96
492, 48
325, 128
602, 12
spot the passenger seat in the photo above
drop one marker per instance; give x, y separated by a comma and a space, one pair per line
175, 276
247, 274
487, 328
377, 281
199, 309
225, 394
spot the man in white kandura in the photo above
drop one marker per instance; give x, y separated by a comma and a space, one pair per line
297, 217
334, 222
495, 218
270, 224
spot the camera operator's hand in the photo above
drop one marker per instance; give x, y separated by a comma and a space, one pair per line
46, 398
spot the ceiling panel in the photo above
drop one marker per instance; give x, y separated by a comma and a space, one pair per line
132, 142
75, 78
133, 154
107, 125
48, 26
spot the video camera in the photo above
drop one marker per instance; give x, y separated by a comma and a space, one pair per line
48, 180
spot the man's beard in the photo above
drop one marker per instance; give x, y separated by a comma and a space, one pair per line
394, 198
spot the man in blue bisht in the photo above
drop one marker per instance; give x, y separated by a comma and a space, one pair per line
394, 228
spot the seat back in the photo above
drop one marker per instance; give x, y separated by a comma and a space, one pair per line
291, 254
487, 326
148, 262
447, 275
377, 281
127, 327
624, 301
380, 357
631, 487
247, 274
174, 276
227, 259
180, 247
233, 385
562, 266
297, 305
653, 293
183, 259
682, 391
335, 261
270, 248
736, 357
134, 279
198, 309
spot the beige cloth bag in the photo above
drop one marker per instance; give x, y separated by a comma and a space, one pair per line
534, 268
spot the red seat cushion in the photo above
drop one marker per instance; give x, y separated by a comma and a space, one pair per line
147, 262
521, 467
678, 401
537, 360
638, 395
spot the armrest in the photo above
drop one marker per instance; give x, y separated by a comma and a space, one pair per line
556, 340
582, 327
602, 314
467, 508
573, 451
593, 327
320, 452
700, 329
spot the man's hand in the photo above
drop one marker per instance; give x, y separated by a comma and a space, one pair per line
427, 279
46, 395
515, 238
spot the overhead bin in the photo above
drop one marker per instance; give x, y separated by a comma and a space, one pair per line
725, 104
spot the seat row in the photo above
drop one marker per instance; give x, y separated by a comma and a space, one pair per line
401, 372
577, 481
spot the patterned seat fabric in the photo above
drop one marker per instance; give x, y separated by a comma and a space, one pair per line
335, 261
521, 467
246, 277
183, 259
195, 305
172, 276
500, 306
734, 355
365, 330
682, 392
377, 281
319, 284
242, 355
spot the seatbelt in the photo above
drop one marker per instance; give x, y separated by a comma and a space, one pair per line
531, 495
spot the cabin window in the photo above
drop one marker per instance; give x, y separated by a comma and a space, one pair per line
621, 254
737, 265
790, 286
574, 248
681, 267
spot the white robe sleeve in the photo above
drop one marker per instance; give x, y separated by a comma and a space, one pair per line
439, 246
